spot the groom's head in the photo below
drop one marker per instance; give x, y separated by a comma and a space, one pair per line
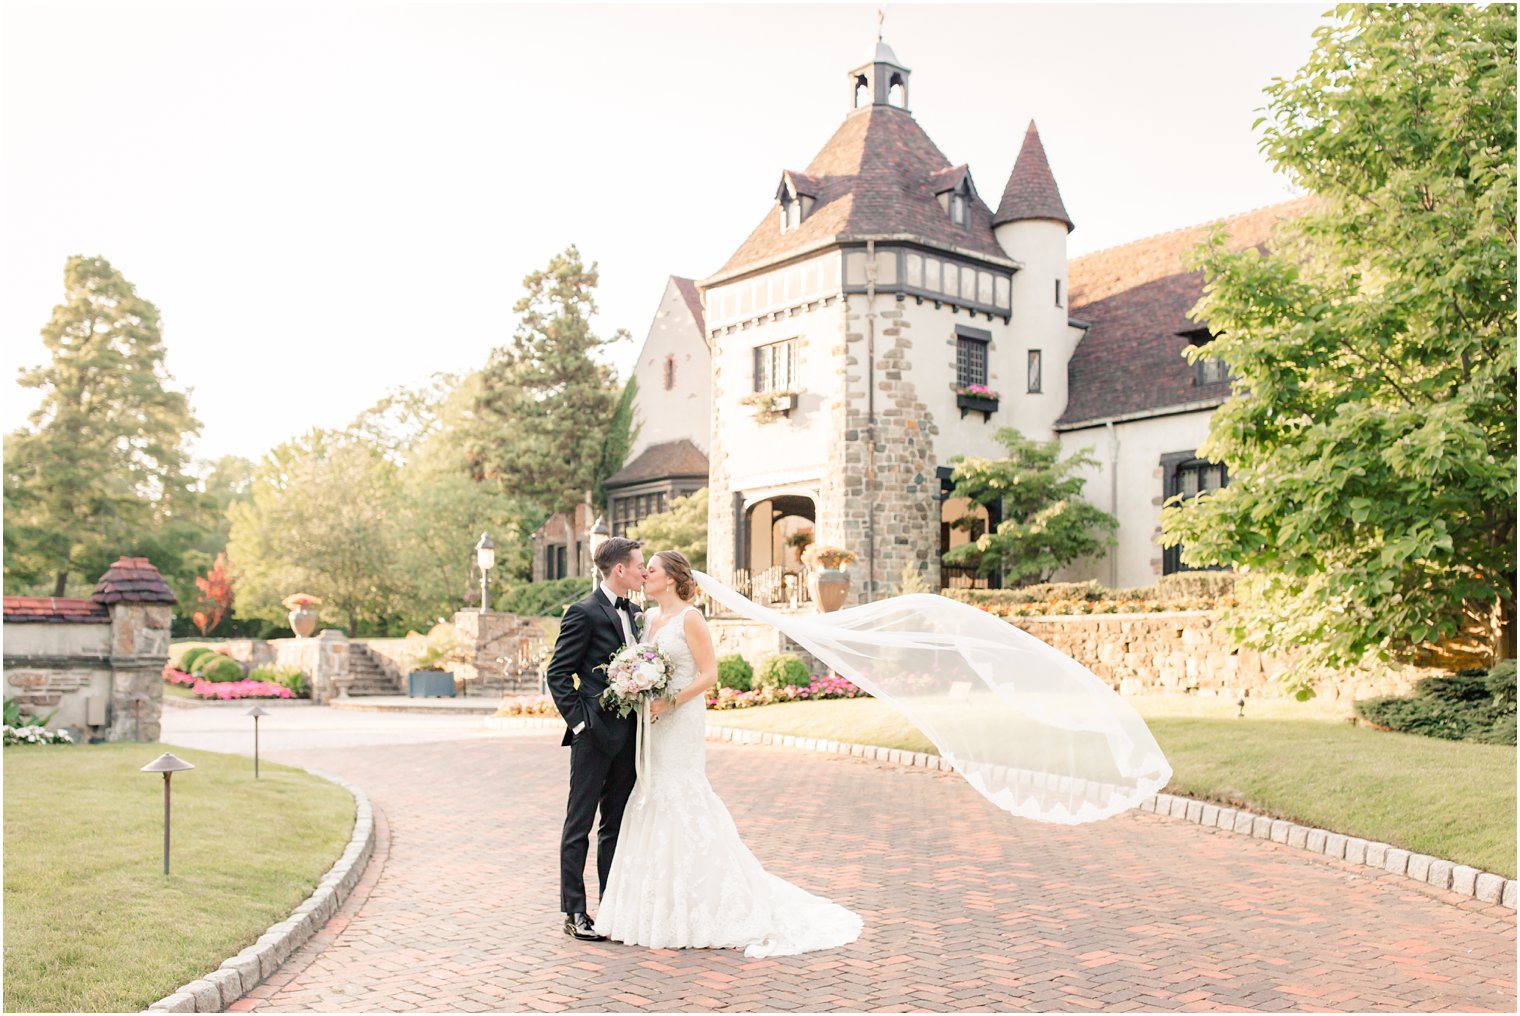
621, 563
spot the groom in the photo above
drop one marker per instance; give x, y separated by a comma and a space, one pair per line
601, 744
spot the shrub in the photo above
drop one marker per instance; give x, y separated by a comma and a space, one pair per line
227, 691
784, 670
1196, 584
188, 658
286, 677
735, 672
528, 705
218, 669
1501, 685
543, 599
206, 659
1471, 705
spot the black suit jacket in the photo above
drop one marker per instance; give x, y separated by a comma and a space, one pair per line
589, 635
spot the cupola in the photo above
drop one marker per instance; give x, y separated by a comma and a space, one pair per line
881, 82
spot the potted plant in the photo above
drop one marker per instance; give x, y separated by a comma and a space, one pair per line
831, 583
426, 657
800, 540
303, 613
976, 398
770, 406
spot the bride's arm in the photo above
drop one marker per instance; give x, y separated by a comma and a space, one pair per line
699, 640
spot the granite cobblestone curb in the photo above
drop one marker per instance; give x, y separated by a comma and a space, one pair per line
1484, 886
239, 974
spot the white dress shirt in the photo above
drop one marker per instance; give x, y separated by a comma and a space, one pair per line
622, 617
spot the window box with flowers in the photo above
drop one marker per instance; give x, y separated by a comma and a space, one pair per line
976, 399
770, 406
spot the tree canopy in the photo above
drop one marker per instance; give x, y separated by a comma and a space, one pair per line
101, 470
1370, 436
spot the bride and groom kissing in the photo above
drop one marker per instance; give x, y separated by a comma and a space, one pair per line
672, 869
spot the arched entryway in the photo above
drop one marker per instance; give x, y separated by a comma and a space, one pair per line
776, 531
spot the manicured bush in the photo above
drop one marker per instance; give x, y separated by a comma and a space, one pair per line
1471, 705
188, 658
1191, 584
542, 599
783, 670
735, 672
220, 668
286, 677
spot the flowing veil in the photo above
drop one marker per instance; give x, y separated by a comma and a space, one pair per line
1031, 729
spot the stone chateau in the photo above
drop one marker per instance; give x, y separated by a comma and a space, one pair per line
824, 377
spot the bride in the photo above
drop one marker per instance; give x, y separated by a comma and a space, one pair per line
682, 877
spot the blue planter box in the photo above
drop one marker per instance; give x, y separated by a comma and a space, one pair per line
430, 684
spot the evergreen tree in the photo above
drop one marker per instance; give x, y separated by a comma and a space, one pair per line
103, 460
545, 402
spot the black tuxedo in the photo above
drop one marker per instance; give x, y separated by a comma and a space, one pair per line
601, 754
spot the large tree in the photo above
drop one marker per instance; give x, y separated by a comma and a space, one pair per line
546, 400
1370, 437
103, 461
1044, 525
682, 527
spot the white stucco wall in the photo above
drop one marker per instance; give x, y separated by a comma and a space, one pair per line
1136, 502
684, 410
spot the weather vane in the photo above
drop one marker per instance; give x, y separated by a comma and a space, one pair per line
881, 20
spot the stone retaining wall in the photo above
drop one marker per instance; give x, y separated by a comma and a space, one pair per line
1190, 651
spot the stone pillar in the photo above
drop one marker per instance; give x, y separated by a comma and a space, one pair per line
323, 659
141, 606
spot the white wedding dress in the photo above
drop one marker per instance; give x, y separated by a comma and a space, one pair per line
681, 877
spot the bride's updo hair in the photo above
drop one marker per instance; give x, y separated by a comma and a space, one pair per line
679, 569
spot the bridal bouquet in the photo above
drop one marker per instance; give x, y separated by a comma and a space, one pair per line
636, 674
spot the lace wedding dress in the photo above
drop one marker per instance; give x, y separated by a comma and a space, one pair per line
681, 877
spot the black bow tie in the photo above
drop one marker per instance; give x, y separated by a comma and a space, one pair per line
624, 604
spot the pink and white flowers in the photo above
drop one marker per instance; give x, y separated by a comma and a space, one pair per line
636, 674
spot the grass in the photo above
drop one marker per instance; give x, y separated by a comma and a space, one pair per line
1300, 761
92, 923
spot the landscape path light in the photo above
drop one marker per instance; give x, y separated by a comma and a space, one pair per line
168, 765
256, 712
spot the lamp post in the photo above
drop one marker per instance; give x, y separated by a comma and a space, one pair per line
168, 765
599, 535
256, 712
485, 556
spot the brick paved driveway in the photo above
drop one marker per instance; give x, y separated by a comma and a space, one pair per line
964, 908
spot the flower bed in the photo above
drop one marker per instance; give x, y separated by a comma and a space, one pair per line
226, 691
528, 705
830, 687
31, 734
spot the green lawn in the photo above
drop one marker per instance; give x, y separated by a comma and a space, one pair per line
1300, 761
92, 924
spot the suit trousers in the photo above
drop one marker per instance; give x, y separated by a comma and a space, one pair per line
598, 781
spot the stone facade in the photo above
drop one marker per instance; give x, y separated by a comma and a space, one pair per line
97, 664
323, 659
506, 651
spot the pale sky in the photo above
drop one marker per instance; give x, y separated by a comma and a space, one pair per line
327, 202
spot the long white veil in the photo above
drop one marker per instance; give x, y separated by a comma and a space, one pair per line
1034, 731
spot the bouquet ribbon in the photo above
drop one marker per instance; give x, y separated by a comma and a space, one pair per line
643, 757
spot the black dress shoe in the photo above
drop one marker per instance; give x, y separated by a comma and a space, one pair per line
579, 926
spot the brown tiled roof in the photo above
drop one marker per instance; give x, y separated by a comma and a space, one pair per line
132, 580
659, 462
1031, 192
54, 610
688, 288
802, 183
1137, 298
875, 177
947, 179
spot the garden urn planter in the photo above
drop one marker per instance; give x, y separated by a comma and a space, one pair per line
303, 621
831, 586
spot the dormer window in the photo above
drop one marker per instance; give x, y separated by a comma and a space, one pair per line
953, 189
958, 206
1207, 370
795, 195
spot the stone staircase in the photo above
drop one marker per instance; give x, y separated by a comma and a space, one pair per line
367, 674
